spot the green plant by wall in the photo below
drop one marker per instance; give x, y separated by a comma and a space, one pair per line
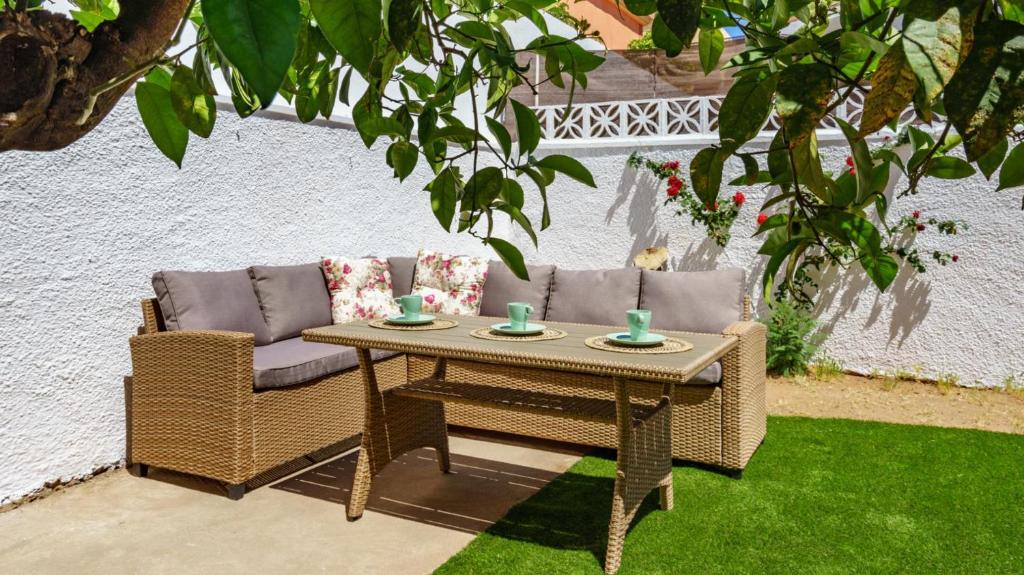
645, 42
793, 339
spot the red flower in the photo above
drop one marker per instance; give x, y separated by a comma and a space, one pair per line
853, 171
849, 161
956, 258
762, 218
917, 214
739, 198
674, 182
673, 165
711, 208
920, 227
673, 191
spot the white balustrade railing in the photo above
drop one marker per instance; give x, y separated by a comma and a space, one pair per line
692, 117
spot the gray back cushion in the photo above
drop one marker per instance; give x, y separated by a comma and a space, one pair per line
401, 270
694, 301
293, 298
210, 300
503, 286
598, 296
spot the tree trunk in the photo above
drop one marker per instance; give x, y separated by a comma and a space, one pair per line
51, 66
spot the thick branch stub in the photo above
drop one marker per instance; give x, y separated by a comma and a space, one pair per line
50, 66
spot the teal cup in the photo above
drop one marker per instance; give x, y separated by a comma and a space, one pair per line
518, 314
639, 322
411, 305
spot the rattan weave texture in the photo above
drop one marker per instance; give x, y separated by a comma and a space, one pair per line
547, 334
670, 345
440, 323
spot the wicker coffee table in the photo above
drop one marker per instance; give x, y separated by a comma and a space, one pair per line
409, 416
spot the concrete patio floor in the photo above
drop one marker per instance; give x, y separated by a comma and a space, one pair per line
169, 523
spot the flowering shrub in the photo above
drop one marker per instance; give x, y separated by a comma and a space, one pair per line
716, 218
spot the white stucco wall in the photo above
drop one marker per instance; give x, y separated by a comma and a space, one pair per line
966, 319
82, 229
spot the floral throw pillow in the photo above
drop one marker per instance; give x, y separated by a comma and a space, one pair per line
360, 288
450, 284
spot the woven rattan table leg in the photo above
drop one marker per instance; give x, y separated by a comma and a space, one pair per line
373, 425
643, 462
444, 459
393, 425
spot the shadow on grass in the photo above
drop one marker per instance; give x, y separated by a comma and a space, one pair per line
571, 513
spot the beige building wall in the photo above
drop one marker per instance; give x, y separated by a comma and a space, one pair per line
616, 24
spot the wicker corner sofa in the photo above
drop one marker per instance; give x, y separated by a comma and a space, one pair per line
224, 387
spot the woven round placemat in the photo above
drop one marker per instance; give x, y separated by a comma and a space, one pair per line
436, 324
488, 333
670, 345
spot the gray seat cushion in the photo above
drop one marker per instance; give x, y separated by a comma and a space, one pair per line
293, 298
710, 375
210, 300
294, 361
694, 301
402, 270
503, 287
594, 296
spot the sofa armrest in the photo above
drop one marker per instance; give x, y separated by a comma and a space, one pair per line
192, 403
744, 409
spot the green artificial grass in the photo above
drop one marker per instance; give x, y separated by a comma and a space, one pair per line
820, 496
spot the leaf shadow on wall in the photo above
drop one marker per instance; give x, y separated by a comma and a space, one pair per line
639, 191
908, 298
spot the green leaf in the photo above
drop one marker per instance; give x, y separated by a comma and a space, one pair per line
1012, 173
519, 218
512, 193
751, 171
327, 91
803, 95
511, 255
950, 168
541, 183
774, 221
258, 37
402, 156
343, 90
682, 17
457, 134
985, 98
167, 132
933, 38
500, 134
746, 108
642, 7
989, 163
892, 88
527, 128
526, 10
852, 229
402, 18
92, 13
568, 166
352, 27
444, 193
194, 107
706, 174
665, 38
710, 45
866, 41
482, 189
862, 160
